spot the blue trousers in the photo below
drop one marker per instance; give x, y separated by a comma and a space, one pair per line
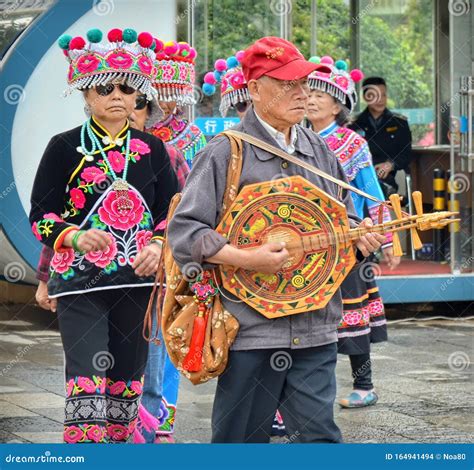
160, 390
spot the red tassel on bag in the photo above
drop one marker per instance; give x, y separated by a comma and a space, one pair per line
193, 360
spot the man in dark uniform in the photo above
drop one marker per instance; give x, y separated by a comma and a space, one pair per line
387, 133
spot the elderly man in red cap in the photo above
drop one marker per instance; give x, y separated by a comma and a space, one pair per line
252, 387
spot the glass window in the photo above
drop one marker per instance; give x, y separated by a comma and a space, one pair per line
396, 42
15, 17
221, 28
325, 23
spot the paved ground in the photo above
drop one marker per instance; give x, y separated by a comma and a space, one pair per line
424, 377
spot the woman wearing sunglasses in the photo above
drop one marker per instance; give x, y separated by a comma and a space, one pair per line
100, 199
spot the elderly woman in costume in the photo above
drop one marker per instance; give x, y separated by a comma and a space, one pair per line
250, 390
175, 86
100, 199
333, 97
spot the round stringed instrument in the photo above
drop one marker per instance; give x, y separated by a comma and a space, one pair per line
318, 236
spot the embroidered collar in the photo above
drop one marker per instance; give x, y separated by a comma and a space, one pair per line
328, 130
104, 134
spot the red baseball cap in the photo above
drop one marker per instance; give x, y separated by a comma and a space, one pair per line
277, 58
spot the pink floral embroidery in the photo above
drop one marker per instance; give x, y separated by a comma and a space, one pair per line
168, 72
143, 237
145, 64
62, 261
93, 174
117, 160
124, 220
117, 432
120, 60
137, 387
162, 225
34, 228
237, 79
352, 319
52, 216
73, 434
183, 72
78, 198
117, 388
69, 387
88, 63
103, 258
96, 433
137, 145
86, 384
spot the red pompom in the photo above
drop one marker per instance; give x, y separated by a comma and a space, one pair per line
357, 75
192, 53
159, 45
77, 43
145, 39
115, 35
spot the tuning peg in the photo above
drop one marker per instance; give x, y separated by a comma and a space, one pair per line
418, 201
415, 238
397, 208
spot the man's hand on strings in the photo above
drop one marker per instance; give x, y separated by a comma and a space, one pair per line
370, 242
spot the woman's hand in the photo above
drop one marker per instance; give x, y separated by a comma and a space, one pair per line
392, 261
370, 242
89, 240
383, 169
43, 299
146, 262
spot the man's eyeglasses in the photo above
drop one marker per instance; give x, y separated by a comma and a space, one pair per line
104, 90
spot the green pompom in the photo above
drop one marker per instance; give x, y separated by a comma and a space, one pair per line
64, 40
129, 35
315, 59
341, 65
94, 35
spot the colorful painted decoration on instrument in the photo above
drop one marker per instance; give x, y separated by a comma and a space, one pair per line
311, 222
315, 228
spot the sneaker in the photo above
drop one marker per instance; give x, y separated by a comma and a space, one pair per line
354, 400
164, 439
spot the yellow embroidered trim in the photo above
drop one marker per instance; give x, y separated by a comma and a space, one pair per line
106, 132
355, 301
158, 237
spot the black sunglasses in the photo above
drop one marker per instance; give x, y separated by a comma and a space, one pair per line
241, 107
141, 102
104, 90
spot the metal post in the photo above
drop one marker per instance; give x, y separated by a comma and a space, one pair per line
439, 198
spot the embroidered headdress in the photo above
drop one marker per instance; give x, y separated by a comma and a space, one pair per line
125, 55
333, 78
228, 74
176, 75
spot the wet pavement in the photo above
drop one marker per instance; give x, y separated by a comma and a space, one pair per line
423, 375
